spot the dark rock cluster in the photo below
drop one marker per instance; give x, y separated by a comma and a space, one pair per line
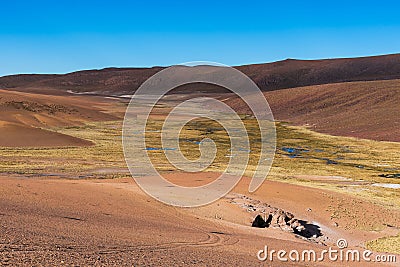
266, 216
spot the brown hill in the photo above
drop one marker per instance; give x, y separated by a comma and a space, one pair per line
327, 95
295, 73
360, 109
270, 76
103, 82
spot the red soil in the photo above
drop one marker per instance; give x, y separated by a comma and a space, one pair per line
23, 115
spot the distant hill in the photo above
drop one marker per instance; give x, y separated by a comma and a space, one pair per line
357, 97
296, 73
269, 76
367, 109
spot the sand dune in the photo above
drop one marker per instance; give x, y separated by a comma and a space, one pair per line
25, 118
14, 135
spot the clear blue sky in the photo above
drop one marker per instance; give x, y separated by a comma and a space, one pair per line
63, 36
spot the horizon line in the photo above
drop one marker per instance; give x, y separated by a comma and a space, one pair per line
166, 66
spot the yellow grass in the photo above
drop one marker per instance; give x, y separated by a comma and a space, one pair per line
385, 244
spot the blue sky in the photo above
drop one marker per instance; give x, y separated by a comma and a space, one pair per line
63, 36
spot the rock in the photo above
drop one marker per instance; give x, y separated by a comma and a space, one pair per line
300, 228
282, 220
289, 216
268, 221
287, 228
269, 216
296, 225
259, 222
291, 221
276, 218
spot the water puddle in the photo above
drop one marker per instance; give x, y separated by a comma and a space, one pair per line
392, 186
159, 149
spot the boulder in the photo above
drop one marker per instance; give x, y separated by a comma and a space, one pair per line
259, 222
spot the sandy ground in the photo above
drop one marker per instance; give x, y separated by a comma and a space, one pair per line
112, 222
15, 135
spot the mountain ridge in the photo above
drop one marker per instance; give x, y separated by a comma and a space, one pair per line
288, 73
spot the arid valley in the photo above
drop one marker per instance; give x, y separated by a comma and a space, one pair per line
67, 197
